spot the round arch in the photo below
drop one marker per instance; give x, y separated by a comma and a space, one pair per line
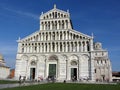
24, 57
53, 57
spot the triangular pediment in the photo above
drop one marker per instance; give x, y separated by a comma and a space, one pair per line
55, 24
54, 11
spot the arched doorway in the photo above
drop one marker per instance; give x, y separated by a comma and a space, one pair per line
32, 70
74, 70
52, 66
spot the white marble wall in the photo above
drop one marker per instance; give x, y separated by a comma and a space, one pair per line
56, 36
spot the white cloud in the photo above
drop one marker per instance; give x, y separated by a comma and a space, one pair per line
22, 13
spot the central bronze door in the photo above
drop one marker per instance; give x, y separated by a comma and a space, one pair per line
52, 70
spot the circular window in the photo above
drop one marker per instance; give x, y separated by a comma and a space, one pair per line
33, 63
73, 63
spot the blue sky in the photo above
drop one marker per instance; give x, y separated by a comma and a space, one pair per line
19, 18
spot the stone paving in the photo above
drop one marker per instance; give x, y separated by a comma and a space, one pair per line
8, 85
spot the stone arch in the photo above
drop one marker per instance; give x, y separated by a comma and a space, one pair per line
33, 60
85, 62
74, 60
33, 57
85, 57
43, 57
74, 57
65, 57
24, 57
53, 57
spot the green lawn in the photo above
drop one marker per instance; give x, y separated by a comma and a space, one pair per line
65, 86
7, 82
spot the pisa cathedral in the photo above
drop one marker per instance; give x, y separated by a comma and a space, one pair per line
57, 50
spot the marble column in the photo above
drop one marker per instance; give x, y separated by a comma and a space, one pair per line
62, 47
57, 25
63, 36
51, 35
50, 25
77, 46
45, 68
91, 44
51, 47
27, 70
66, 47
44, 36
47, 47
37, 70
59, 35
81, 47
37, 48
67, 70
58, 46
85, 46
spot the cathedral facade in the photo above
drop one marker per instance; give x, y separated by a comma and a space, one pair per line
57, 50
